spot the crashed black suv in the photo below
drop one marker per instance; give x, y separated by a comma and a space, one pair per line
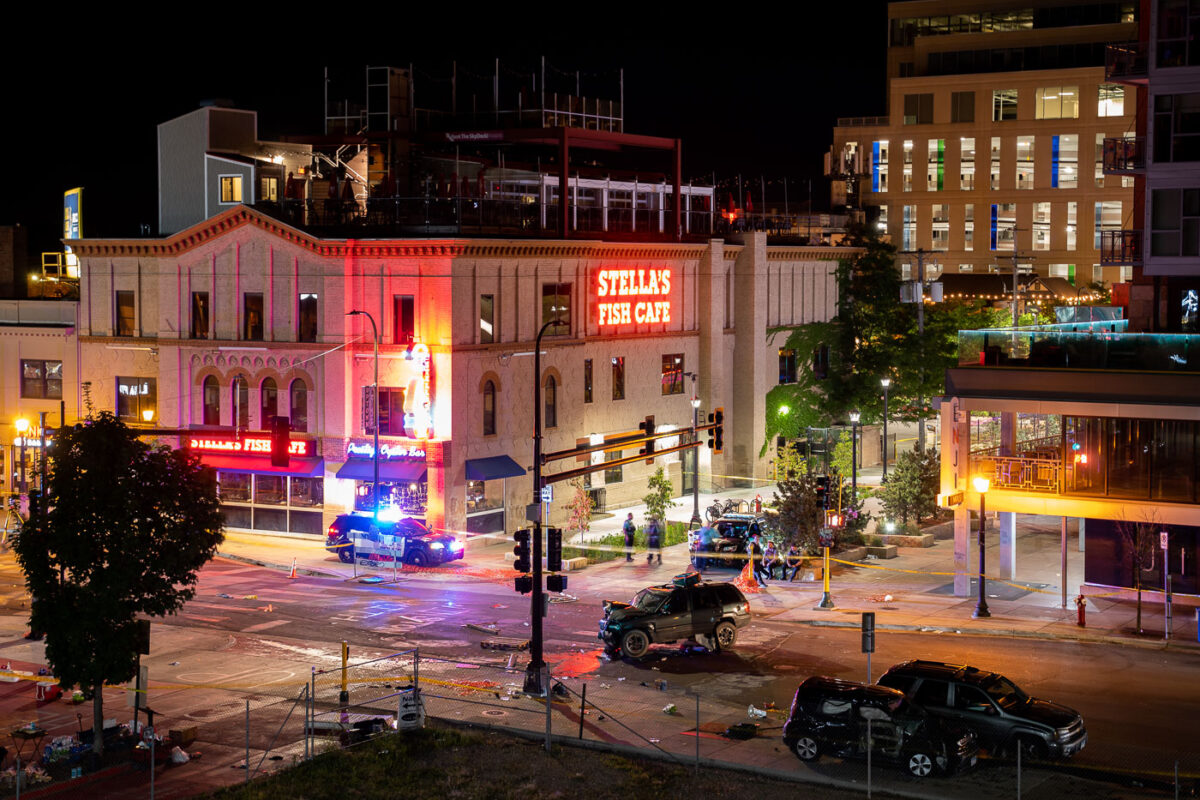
686, 608
1004, 717
830, 716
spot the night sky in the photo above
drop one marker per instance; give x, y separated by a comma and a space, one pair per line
755, 91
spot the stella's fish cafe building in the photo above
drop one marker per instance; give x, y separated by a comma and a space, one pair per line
214, 330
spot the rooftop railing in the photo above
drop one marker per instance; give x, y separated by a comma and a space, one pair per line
1124, 156
1127, 62
1096, 345
1121, 248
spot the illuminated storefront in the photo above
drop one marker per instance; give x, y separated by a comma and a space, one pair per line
403, 490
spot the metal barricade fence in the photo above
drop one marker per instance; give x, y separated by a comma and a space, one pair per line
265, 733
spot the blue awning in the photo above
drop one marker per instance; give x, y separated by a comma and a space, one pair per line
363, 469
493, 468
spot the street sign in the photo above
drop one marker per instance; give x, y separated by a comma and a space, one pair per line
368, 409
951, 499
533, 512
1162, 539
547, 494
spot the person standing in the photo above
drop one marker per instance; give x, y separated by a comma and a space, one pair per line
704, 544
653, 542
629, 528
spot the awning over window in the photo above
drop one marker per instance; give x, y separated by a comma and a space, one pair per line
362, 469
297, 467
493, 468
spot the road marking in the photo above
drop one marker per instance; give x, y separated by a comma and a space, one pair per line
262, 626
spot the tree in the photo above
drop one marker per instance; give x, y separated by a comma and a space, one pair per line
579, 508
658, 500
1139, 545
799, 515
122, 531
911, 489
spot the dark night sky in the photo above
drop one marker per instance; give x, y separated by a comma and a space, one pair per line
755, 95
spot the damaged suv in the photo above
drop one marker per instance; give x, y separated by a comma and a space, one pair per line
686, 608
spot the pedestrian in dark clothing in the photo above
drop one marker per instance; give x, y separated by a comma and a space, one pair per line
653, 542
629, 528
793, 561
758, 565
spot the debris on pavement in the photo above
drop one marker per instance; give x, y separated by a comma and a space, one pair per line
226, 596
486, 627
670, 709
756, 713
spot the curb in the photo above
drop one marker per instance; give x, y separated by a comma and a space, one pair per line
308, 571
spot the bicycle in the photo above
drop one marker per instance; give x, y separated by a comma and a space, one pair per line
718, 510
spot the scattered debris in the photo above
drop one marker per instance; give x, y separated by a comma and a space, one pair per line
880, 598
605, 686
662, 685
467, 666
488, 627
669, 708
499, 605
268, 607
249, 597
743, 730
173, 664
757, 713
655, 741
506, 643
226, 596
621, 679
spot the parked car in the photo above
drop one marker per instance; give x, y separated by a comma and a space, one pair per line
350, 535
733, 530
829, 717
1002, 715
686, 608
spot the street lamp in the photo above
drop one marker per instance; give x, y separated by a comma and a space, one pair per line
885, 383
22, 426
695, 454
375, 420
981, 484
854, 418
533, 671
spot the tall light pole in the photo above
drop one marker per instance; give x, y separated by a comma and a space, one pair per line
375, 420
885, 383
695, 453
854, 418
533, 672
981, 484
22, 426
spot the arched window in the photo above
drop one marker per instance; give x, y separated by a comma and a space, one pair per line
241, 403
551, 397
269, 402
299, 406
489, 409
212, 401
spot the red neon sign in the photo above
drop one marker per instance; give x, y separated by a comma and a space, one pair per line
641, 287
254, 446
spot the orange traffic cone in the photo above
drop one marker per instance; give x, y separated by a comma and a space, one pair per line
292, 574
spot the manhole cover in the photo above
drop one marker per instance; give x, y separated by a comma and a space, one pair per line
495, 712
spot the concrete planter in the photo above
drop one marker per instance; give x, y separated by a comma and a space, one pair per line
850, 554
883, 551
907, 540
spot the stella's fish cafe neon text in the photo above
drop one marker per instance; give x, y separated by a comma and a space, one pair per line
640, 286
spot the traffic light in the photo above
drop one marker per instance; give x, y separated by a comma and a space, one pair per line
823, 490
523, 584
521, 551
556, 583
281, 441
718, 440
647, 429
553, 549
868, 632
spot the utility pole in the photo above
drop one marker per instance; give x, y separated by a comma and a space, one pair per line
918, 297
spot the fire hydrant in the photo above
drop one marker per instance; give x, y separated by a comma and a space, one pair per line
758, 504
1081, 611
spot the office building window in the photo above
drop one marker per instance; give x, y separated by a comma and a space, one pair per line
556, 304
1025, 146
1108, 218
787, 366
1004, 226
966, 163
1175, 222
487, 318
307, 315
1177, 126
1072, 214
587, 380
252, 317
613, 474
489, 409
550, 396
1178, 29
268, 405
906, 177
994, 173
241, 403
41, 379
231, 189
299, 405
968, 227
212, 401
1110, 100
1041, 226
268, 189
672, 373
1063, 271
404, 319
910, 228
962, 106
1056, 102
137, 399
618, 378
199, 315
1098, 169
1004, 105
125, 314
966, 267
935, 170
941, 226
879, 166
1064, 161
918, 109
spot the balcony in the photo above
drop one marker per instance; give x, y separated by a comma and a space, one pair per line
1124, 156
1121, 248
861, 122
1085, 346
1127, 63
1033, 472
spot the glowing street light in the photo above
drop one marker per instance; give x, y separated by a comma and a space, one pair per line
885, 383
981, 484
854, 418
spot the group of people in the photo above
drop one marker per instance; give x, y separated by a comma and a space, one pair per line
765, 560
653, 539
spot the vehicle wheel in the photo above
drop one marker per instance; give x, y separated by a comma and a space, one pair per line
346, 554
920, 764
726, 635
635, 644
806, 748
713, 514
419, 559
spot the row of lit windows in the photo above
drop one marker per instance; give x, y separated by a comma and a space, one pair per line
1002, 225
1050, 102
200, 324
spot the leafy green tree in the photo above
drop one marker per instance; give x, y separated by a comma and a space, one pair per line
912, 487
658, 499
122, 531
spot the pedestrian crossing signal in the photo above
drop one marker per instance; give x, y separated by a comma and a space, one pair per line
521, 563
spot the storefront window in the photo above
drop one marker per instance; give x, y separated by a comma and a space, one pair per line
271, 502
485, 506
306, 491
269, 490
233, 487
409, 498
